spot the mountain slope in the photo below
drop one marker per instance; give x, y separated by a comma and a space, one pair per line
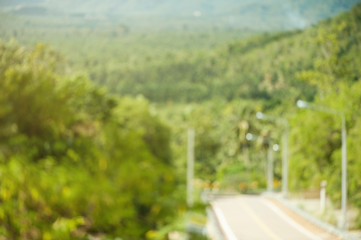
265, 66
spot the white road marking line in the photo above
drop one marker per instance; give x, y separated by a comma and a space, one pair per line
224, 225
290, 221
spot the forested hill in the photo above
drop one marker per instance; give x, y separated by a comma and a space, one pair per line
187, 65
266, 66
77, 162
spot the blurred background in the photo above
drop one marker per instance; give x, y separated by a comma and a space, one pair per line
96, 99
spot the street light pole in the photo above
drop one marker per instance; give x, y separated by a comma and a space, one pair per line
344, 174
285, 160
303, 104
269, 168
190, 167
283, 122
270, 163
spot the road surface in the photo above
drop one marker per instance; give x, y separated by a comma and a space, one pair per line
245, 217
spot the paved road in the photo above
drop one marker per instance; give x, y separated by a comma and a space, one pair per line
256, 218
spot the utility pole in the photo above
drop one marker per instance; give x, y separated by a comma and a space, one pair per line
190, 167
303, 104
285, 160
270, 168
284, 123
270, 163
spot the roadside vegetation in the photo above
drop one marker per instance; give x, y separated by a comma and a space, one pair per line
93, 140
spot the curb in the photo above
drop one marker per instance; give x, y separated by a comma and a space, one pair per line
326, 226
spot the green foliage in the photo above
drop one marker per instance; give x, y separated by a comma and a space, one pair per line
223, 158
322, 66
76, 161
316, 137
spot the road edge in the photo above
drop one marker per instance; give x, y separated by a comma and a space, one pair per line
319, 223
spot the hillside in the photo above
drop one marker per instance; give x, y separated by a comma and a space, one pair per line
264, 67
186, 66
93, 127
223, 91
